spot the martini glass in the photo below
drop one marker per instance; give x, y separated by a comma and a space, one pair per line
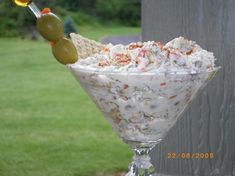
142, 107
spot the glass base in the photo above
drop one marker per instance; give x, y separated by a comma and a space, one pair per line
141, 165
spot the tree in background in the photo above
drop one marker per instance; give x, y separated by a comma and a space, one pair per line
130, 13
87, 6
122, 11
10, 19
17, 21
69, 26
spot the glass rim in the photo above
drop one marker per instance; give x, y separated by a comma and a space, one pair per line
83, 69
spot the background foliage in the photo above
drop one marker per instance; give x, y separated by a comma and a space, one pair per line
17, 21
48, 124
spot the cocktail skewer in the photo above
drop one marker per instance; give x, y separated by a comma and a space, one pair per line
51, 28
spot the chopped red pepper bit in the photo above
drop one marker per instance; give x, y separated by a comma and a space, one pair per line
172, 97
142, 53
167, 51
137, 61
46, 10
117, 119
135, 45
189, 52
106, 49
125, 98
163, 84
103, 63
52, 43
160, 44
125, 86
122, 59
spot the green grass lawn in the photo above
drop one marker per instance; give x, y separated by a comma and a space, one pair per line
48, 125
99, 31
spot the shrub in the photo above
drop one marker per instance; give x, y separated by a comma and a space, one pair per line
123, 11
69, 26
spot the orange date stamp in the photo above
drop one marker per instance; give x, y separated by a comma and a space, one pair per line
206, 155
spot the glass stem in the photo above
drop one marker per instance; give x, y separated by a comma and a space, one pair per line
141, 165
35, 10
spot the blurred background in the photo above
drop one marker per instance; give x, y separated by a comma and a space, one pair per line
48, 125
77, 16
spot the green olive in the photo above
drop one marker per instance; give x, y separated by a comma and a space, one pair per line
50, 27
64, 51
